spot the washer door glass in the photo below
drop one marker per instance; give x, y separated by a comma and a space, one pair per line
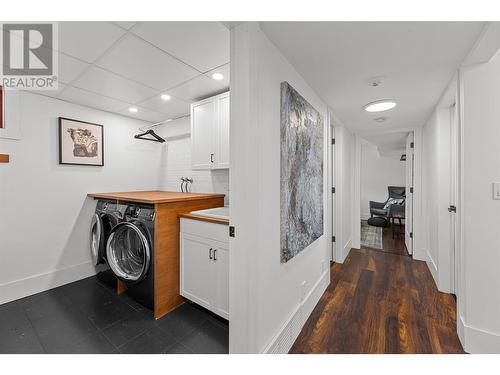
129, 252
96, 239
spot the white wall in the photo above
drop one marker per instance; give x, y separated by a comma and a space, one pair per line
479, 297
344, 181
45, 220
377, 173
269, 301
176, 163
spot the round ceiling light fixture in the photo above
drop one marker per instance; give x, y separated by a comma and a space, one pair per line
165, 97
218, 76
133, 109
380, 105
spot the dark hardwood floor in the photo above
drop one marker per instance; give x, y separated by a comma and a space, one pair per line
381, 301
392, 244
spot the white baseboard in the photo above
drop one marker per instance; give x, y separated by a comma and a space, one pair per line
476, 340
286, 336
432, 266
345, 250
42, 282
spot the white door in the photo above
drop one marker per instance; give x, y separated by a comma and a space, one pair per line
221, 158
197, 271
221, 263
453, 208
203, 122
409, 193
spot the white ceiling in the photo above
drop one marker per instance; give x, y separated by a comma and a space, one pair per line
416, 59
115, 65
389, 144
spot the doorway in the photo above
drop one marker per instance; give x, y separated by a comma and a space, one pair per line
384, 181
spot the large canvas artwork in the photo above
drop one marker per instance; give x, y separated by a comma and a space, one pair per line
301, 173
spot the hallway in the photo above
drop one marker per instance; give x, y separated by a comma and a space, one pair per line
380, 302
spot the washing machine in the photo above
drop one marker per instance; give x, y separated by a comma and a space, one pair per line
130, 254
107, 215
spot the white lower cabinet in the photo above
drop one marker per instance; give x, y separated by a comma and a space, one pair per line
205, 265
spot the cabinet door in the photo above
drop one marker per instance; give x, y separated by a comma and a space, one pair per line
197, 270
222, 136
221, 262
203, 129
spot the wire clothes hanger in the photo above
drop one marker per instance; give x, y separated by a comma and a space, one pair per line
148, 134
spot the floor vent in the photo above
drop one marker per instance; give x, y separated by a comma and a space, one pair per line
289, 334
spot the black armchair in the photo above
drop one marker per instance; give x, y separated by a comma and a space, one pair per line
377, 208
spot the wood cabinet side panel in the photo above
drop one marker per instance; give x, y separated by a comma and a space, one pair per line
167, 252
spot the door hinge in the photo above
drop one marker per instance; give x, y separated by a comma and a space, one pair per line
333, 141
411, 190
452, 209
231, 231
411, 234
412, 144
333, 238
333, 190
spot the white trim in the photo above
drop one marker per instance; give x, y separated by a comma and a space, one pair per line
476, 340
345, 250
290, 330
418, 232
14, 290
356, 199
431, 264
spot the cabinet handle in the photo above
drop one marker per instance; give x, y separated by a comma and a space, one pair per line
210, 253
215, 254
211, 158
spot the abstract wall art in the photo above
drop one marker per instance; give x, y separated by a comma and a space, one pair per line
80, 143
301, 173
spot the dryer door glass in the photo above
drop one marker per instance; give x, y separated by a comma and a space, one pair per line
129, 251
95, 238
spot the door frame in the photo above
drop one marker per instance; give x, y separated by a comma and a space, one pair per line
410, 182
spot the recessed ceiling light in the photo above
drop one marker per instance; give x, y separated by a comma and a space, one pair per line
166, 97
217, 76
380, 105
133, 109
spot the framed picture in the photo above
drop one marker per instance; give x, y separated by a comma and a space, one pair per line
80, 142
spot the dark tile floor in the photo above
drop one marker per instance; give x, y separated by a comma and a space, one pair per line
88, 317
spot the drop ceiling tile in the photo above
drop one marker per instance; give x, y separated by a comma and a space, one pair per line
108, 84
199, 88
125, 24
70, 68
78, 96
50, 93
172, 108
138, 60
144, 114
203, 45
87, 40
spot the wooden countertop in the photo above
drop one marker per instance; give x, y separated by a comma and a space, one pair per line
153, 197
205, 218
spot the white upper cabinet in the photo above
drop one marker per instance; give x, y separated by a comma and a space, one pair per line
210, 133
222, 140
